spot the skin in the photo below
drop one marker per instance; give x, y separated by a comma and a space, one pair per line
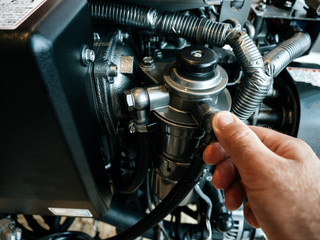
279, 175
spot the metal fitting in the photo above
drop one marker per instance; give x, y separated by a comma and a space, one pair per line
137, 99
112, 70
148, 62
87, 55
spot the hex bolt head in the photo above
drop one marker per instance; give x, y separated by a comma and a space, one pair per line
90, 55
87, 55
129, 100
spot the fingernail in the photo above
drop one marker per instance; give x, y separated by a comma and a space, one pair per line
222, 120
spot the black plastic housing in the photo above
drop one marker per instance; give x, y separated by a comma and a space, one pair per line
50, 151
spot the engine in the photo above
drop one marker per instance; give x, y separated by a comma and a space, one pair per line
107, 108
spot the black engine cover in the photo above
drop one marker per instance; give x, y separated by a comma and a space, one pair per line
50, 151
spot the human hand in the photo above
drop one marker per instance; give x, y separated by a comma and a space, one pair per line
279, 174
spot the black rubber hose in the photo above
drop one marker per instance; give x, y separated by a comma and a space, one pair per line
132, 184
67, 235
66, 224
122, 217
220, 217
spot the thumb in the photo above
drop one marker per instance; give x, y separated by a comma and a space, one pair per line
244, 147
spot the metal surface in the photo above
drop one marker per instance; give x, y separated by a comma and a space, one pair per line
113, 73
228, 10
180, 132
165, 175
271, 11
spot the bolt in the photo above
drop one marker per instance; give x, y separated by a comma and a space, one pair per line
87, 55
132, 128
148, 62
129, 100
288, 4
90, 55
197, 53
125, 35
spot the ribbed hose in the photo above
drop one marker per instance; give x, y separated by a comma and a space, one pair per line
122, 14
192, 28
277, 59
256, 82
257, 78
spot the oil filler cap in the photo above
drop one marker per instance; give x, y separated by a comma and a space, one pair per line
196, 60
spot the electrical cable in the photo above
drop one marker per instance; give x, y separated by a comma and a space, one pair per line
67, 235
131, 184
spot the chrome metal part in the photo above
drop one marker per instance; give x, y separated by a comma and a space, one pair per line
87, 55
165, 175
194, 78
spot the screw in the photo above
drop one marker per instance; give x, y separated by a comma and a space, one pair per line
87, 55
197, 53
129, 100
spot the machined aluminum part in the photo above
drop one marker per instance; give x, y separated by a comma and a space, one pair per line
194, 88
165, 174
